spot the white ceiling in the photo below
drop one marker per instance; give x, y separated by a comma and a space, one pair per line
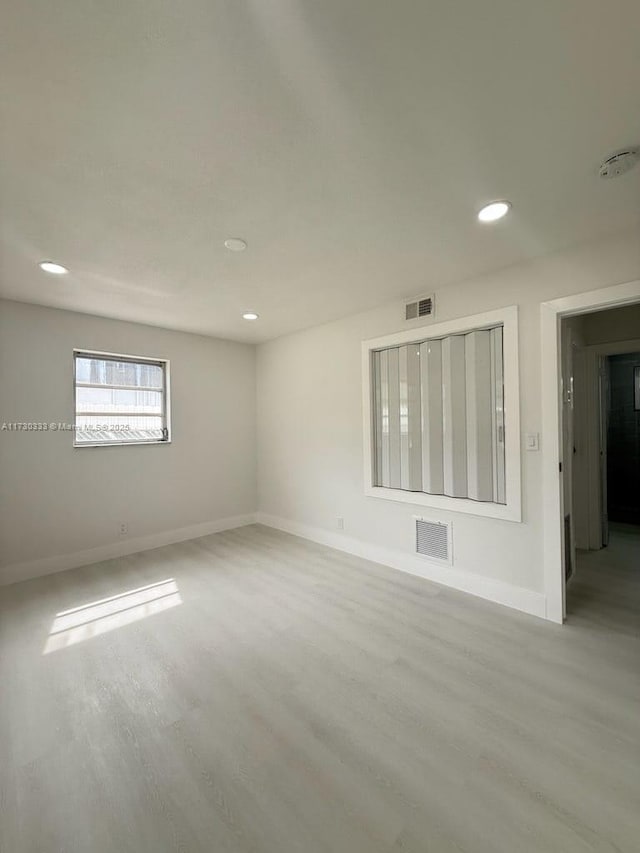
350, 142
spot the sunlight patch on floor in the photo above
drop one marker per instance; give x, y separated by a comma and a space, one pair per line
90, 620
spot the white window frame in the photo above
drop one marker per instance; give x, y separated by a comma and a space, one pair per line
512, 509
137, 359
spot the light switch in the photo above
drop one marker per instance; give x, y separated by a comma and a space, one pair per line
532, 441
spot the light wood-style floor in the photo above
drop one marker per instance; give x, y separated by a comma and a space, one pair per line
300, 700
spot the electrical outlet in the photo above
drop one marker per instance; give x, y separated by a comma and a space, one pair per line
124, 528
340, 522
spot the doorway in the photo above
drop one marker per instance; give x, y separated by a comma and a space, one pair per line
575, 500
601, 430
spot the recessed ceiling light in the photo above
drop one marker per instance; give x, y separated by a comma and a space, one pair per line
494, 211
235, 244
250, 315
56, 269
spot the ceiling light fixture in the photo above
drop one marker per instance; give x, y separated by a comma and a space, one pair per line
250, 315
494, 211
56, 269
235, 244
619, 163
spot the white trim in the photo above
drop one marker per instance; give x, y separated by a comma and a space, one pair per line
591, 301
512, 510
16, 572
552, 502
518, 598
153, 442
118, 356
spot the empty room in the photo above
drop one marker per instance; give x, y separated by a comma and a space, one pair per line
320, 427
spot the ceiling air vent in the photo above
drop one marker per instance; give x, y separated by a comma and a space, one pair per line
423, 306
433, 540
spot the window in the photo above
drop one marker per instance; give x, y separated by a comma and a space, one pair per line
120, 399
442, 420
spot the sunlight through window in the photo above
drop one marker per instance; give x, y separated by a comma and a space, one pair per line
90, 620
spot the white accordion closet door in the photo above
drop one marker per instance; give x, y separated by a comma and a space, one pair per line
381, 418
479, 416
497, 415
431, 404
410, 418
438, 416
393, 356
454, 403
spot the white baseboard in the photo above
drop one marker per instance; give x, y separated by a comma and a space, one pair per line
49, 565
518, 598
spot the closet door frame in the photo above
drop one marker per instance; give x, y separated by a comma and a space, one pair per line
508, 319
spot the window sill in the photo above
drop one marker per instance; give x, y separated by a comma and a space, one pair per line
486, 509
121, 444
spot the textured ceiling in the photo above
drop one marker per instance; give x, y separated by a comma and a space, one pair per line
350, 144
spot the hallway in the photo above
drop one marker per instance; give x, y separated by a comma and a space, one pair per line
605, 593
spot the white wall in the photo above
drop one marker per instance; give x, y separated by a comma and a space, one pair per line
61, 506
61, 501
310, 466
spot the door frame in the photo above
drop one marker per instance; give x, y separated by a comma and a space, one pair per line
551, 313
